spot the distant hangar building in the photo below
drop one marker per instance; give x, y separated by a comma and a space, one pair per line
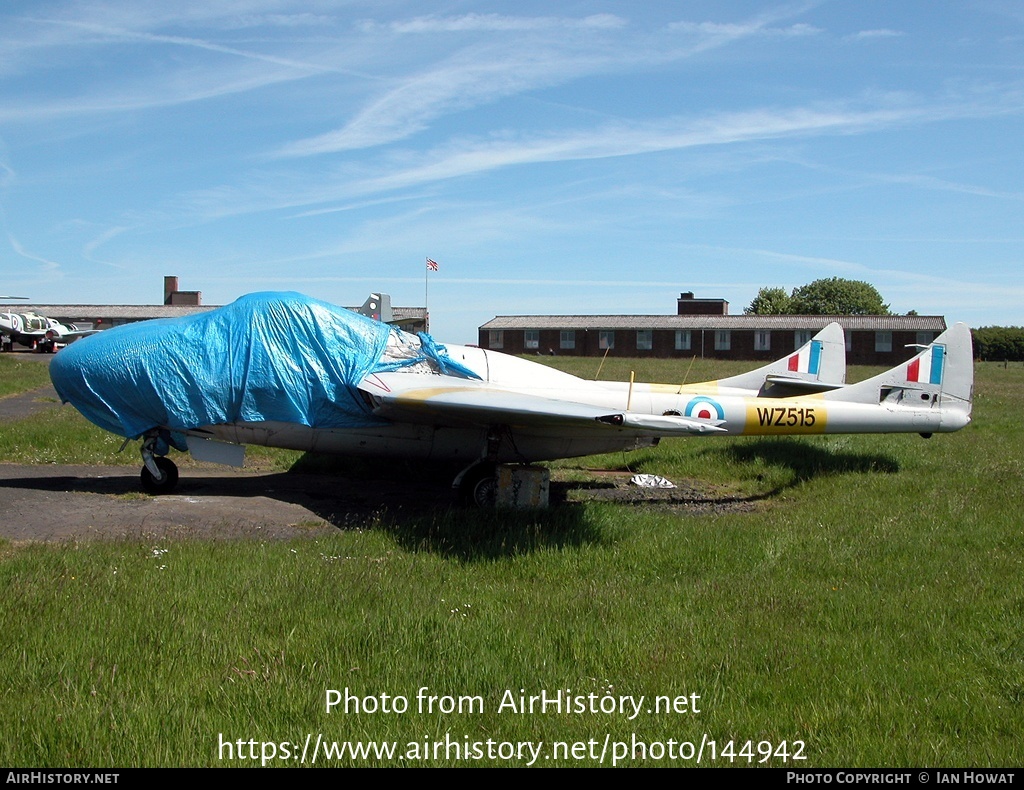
176, 303
704, 328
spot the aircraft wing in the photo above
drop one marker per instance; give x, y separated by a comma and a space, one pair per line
64, 333
452, 401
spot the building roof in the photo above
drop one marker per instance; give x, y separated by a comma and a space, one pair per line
405, 313
134, 312
139, 312
890, 323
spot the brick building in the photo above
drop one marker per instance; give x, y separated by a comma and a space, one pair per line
706, 330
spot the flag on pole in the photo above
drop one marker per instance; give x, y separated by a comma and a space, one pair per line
431, 265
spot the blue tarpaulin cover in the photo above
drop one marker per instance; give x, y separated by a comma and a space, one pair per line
266, 357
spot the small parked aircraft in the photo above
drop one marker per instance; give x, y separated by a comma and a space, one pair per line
285, 370
36, 331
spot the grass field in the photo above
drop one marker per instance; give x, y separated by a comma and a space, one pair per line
18, 374
866, 611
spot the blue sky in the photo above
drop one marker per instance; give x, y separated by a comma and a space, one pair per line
572, 157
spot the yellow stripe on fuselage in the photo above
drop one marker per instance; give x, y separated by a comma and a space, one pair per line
425, 393
766, 417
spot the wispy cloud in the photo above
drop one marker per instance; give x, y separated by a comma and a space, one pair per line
494, 23
918, 180
717, 31
943, 185
297, 20
91, 247
476, 75
54, 33
463, 81
7, 175
120, 34
80, 46
165, 90
711, 35
869, 34
49, 267
485, 72
466, 158
471, 157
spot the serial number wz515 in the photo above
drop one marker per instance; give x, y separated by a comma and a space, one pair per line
790, 417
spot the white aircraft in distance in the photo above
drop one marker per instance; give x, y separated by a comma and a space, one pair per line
285, 370
36, 331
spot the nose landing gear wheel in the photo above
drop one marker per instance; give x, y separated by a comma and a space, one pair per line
166, 482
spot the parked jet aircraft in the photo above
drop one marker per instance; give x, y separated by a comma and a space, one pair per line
36, 331
287, 371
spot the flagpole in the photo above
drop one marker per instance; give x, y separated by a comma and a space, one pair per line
431, 266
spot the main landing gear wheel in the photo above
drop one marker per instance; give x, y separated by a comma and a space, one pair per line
480, 486
168, 477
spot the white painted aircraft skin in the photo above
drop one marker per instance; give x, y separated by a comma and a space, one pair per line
532, 412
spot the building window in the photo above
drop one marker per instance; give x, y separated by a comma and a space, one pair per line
682, 340
723, 340
606, 339
531, 338
925, 338
801, 337
762, 340
644, 339
495, 339
883, 342
567, 339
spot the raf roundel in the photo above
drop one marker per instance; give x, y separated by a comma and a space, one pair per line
704, 408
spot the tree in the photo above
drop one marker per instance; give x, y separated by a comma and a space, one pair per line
999, 343
770, 301
836, 296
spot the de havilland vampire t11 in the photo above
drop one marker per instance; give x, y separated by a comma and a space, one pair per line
285, 370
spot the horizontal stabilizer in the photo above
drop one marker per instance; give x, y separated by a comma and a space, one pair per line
797, 386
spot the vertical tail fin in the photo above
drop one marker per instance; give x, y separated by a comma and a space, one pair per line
819, 364
377, 307
941, 375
